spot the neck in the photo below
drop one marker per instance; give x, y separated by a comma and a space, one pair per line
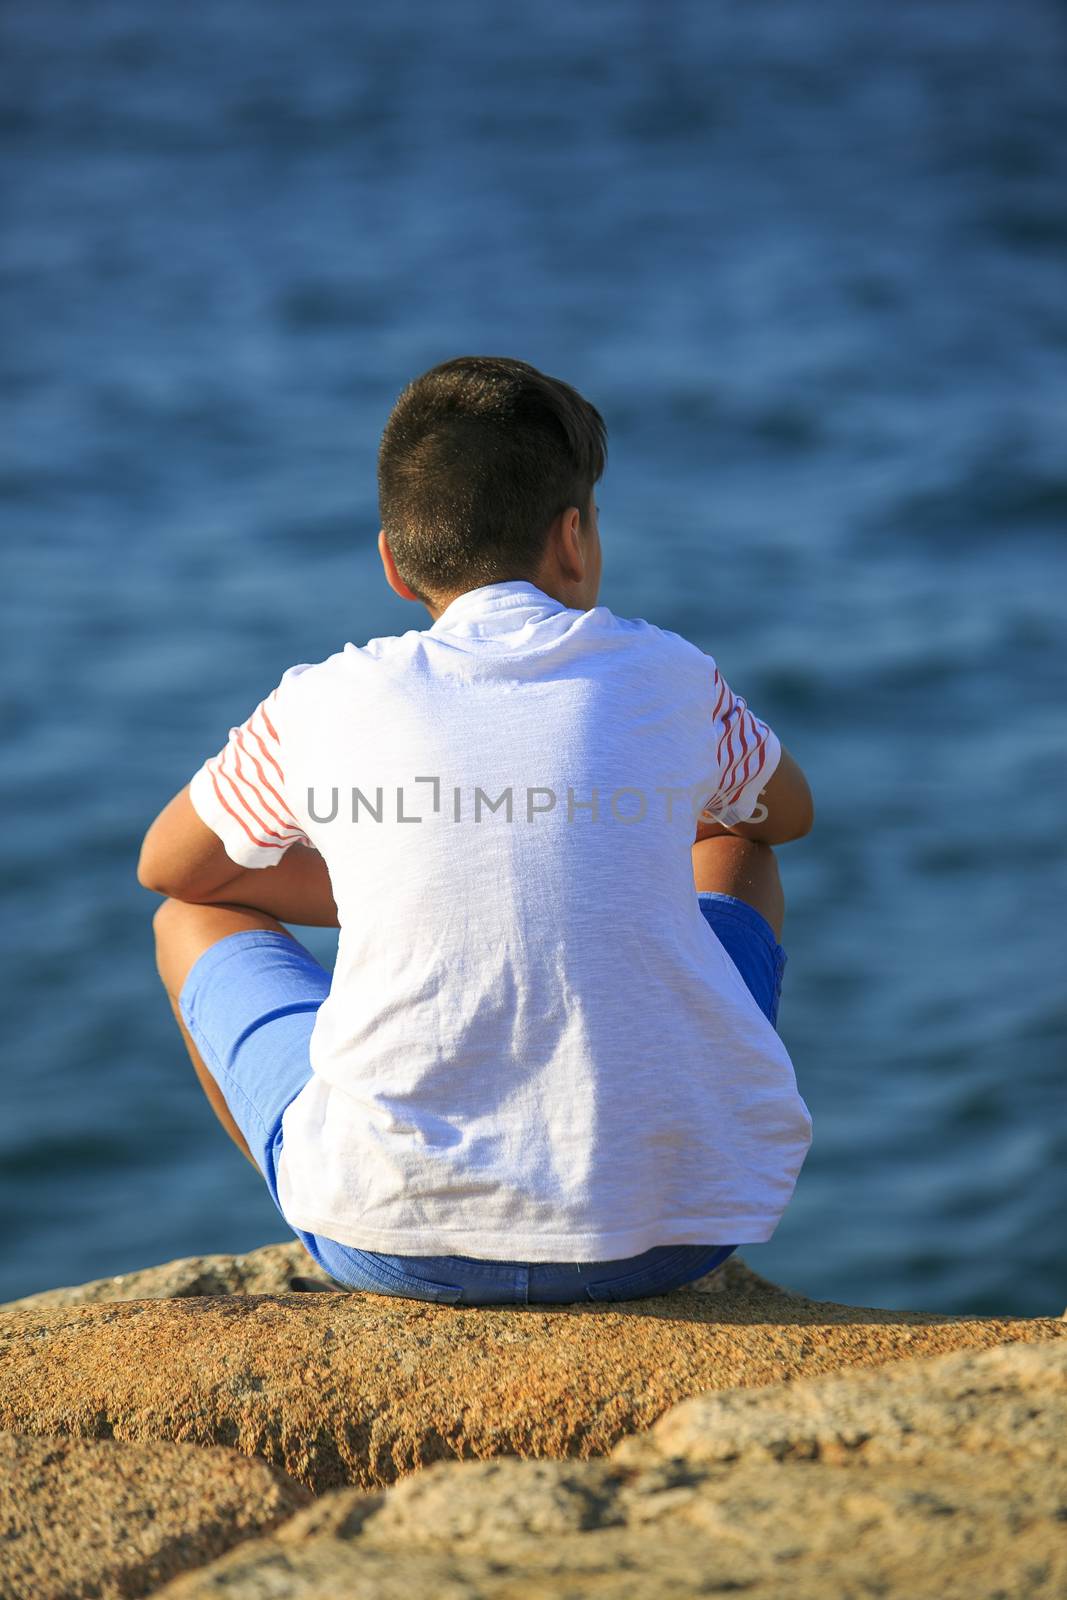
441, 603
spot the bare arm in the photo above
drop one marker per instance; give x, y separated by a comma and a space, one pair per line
787, 801
182, 857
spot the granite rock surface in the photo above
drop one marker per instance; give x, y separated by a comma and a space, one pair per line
938, 1478
95, 1518
362, 1389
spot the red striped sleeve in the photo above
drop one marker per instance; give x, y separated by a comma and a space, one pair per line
270, 725
751, 738
237, 791
736, 739
240, 793
288, 821
242, 824
742, 749
268, 751
756, 770
250, 799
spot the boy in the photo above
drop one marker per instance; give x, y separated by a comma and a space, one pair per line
546, 1067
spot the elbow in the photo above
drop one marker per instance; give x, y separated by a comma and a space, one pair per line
811, 813
153, 873
805, 820
797, 825
148, 864
802, 810
149, 876
166, 884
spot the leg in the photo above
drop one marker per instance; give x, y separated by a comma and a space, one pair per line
183, 932
726, 864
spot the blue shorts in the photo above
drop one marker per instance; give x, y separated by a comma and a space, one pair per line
250, 1002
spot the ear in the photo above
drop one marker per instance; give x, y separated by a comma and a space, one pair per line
570, 546
392, 577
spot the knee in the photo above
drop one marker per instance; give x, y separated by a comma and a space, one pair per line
746, 868
173, 924
773, 907
760, 866
166, 918
757, 851
768, 859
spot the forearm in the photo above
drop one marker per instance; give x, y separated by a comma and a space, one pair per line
785, 810
183, 858
297, 890
707, 829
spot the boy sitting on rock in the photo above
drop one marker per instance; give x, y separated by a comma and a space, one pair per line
545, 1067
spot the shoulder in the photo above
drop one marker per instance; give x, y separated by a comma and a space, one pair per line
663, 643
309, 680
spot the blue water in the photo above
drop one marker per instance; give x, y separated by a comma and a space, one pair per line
809, 260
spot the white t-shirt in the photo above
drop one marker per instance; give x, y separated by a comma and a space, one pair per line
534, 1047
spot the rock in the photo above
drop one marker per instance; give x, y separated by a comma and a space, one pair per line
937, 1478
900, 1413
360, 1388
272, 1270
80, 1517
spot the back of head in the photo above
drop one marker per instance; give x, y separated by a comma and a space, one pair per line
479, 457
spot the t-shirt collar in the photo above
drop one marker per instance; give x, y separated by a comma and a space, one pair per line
489, 599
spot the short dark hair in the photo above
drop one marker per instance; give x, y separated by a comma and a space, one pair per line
479, 456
